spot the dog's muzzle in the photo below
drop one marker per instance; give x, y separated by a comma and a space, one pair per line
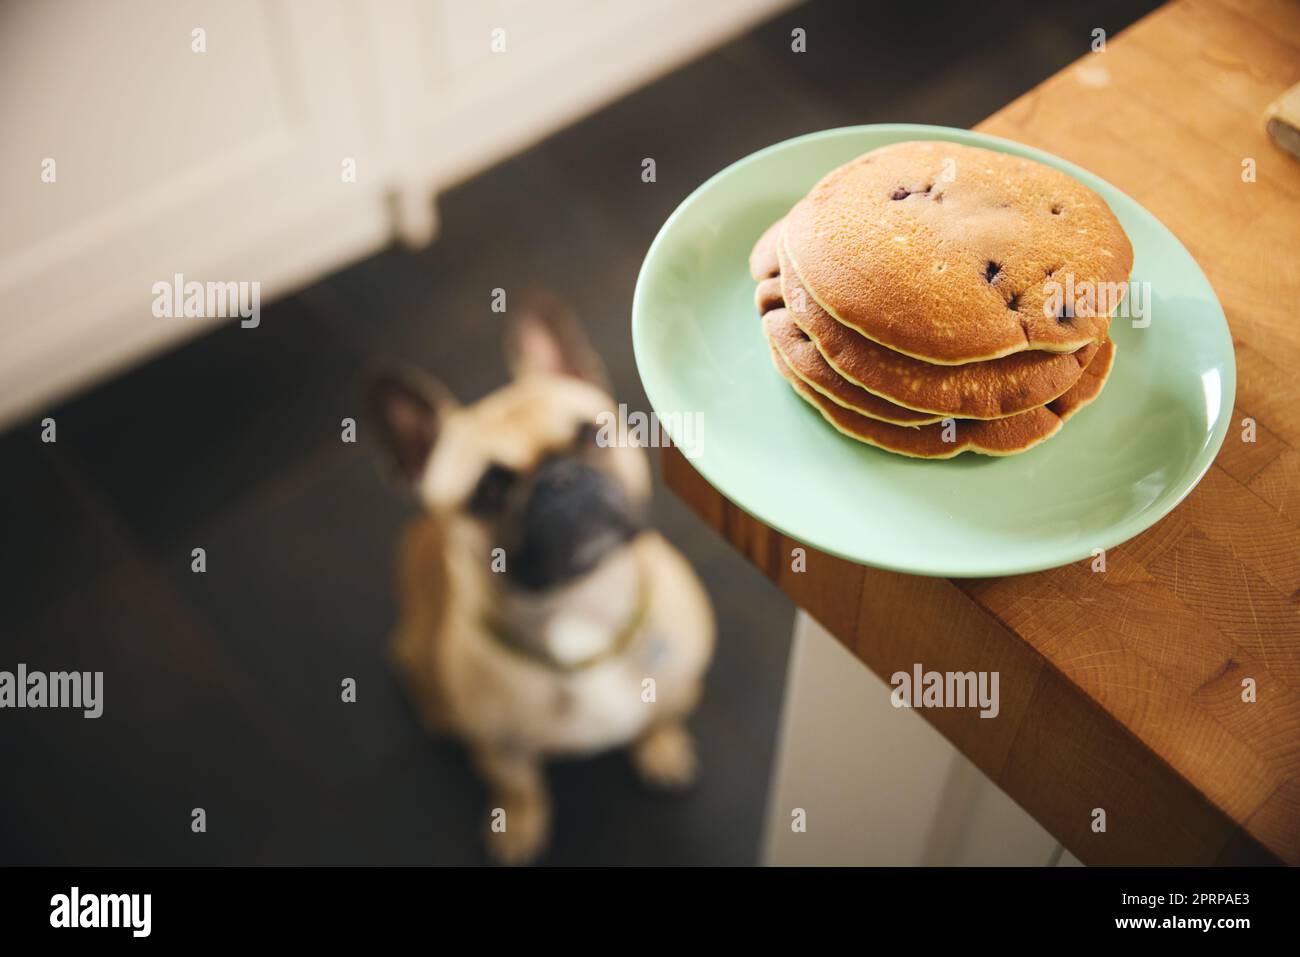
572, 517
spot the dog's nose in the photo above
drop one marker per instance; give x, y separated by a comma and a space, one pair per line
573, 516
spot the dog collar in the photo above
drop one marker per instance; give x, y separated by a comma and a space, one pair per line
622, 638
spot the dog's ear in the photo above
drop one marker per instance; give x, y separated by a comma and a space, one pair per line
405, 408
542, 335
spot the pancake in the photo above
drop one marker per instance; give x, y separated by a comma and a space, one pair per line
997, 437
768, 295
1089, 385
977, 390
803, 359
945, 252
808, 364
762, 260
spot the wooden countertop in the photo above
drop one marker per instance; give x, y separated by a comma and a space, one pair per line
1123, 690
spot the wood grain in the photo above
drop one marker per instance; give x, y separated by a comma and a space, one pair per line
1123, 689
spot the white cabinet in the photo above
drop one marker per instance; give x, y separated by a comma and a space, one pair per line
146, 138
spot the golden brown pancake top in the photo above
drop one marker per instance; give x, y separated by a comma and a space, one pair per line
945, 252
976, 390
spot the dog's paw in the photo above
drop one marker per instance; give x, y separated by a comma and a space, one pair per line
665, 758
517, 831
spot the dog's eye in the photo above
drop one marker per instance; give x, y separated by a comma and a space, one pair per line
586, 435
490, 492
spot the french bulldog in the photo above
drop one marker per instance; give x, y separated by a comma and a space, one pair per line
538, 615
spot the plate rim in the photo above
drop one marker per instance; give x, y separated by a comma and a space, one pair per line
1117, 533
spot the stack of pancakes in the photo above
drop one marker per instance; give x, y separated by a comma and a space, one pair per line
922, 298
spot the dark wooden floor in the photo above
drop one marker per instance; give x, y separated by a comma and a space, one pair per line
223, 689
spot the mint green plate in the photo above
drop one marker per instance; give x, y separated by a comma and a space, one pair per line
1115, 469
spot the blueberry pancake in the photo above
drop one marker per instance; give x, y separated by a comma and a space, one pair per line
803, 359
997, 437
1090, 383
949, 253
763, 263
976, 390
